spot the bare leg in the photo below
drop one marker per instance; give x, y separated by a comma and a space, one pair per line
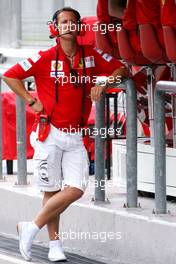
53, 224
57, 204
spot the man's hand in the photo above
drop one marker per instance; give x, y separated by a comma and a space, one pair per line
37, 107
18, 87
96, 93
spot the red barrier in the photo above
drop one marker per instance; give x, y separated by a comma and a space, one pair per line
9, 150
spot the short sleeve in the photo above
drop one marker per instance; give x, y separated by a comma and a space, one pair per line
26, 68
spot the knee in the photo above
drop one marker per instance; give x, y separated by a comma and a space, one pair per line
48, 195
78, 193
73, 193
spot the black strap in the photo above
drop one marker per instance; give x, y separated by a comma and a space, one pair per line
56, 77
56, 82
84, 85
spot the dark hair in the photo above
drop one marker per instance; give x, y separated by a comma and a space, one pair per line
67, 9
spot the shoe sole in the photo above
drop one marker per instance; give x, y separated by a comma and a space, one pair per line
27, 258
57, 260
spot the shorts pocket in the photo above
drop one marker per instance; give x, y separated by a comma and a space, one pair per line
41, 169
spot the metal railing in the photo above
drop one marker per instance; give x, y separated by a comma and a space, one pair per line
129, 87
162, 87
131, 144
21, 141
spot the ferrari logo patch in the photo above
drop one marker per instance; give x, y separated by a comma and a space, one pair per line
81, 65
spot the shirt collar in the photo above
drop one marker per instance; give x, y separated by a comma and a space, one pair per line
77, 58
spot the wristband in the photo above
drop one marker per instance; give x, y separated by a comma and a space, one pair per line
33, 102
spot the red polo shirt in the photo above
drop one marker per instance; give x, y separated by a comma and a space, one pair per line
104, 18
129, 17
102, 11
168, 13
148, 12
130, 24
68, 111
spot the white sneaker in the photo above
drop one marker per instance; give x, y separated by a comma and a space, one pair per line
56, 253
26, 232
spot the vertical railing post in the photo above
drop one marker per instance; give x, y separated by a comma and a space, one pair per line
108, 143
160, 154
1, 174
174, 119
99, 151
131, 164
150, 89
131, 156
174, 108
21, 141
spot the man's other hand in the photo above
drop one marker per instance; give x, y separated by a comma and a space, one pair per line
96, 93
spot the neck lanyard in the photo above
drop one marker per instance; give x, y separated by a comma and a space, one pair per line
56, 76
84, 86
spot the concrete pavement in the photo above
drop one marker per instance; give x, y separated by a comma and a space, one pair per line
106, 232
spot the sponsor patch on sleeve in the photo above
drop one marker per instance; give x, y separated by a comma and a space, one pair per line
25, 64
99, 51
35, 57
107, 57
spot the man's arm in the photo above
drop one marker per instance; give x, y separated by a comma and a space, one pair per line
18, 87
117, 76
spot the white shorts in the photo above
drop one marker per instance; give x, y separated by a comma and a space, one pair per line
60, 160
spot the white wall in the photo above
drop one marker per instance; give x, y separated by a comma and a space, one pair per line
34, 18
10, 26
85, 7
34, 15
